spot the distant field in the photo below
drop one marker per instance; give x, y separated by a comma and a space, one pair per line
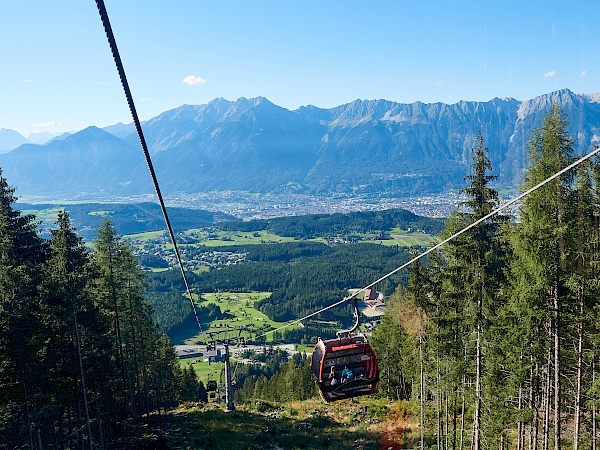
240, 305
45, 215
221, 238
405, 239
305, 348
149, 235
204, 370
227, 238
216, 238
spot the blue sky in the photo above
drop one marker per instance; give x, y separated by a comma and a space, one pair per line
57, 74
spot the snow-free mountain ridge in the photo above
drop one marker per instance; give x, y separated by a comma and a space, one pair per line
365, 146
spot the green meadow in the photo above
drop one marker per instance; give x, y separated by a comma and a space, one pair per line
404, 239
239, 306
225, 238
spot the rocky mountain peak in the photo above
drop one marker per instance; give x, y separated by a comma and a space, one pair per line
251, 144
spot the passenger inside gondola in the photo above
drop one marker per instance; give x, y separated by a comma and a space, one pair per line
353, 353
332, 377
347, 375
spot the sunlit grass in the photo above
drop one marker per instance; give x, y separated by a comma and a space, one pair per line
147, 236
240, 305
361, 423
404, 239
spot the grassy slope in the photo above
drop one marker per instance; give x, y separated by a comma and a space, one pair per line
204, 370
365, 423
240, 305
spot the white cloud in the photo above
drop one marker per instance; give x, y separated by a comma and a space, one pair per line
194, 81
550, 74
439, 83
29, 81
583, 74
145, 99
50, 124
103, 83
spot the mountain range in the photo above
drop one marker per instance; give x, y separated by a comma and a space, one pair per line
11, 139
366, 146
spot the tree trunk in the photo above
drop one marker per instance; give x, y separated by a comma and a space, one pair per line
594, 431
79, 421
462, 417
477, 410
519, 421
82, 375
537, 403
577, 424
546, 406
534, 412
99, 419
560, 268
447, 416
557, 390
439, 408
454, 417
136, 397
422, 395
27, 412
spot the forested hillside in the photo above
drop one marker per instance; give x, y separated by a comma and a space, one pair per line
302, 276
497, 337
319, 225
81, 359
127, 218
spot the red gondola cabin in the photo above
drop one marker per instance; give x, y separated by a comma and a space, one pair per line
344, 367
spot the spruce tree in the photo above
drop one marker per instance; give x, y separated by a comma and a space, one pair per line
466, 277
543, 246
22, 328
74, 323
108, 293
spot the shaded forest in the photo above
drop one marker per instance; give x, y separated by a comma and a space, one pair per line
496, 338
82, 361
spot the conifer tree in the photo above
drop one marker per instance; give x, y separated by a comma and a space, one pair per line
149, 376
543, 246
108, 292
467, 275
75, 325
190, 385
584, 291
22, 331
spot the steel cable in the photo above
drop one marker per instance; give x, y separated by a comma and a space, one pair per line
117, 58
439, 244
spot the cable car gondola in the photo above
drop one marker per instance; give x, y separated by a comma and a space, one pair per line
211, 385
346, 366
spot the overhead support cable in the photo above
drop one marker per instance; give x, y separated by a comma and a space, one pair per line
439, 244
117, 58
